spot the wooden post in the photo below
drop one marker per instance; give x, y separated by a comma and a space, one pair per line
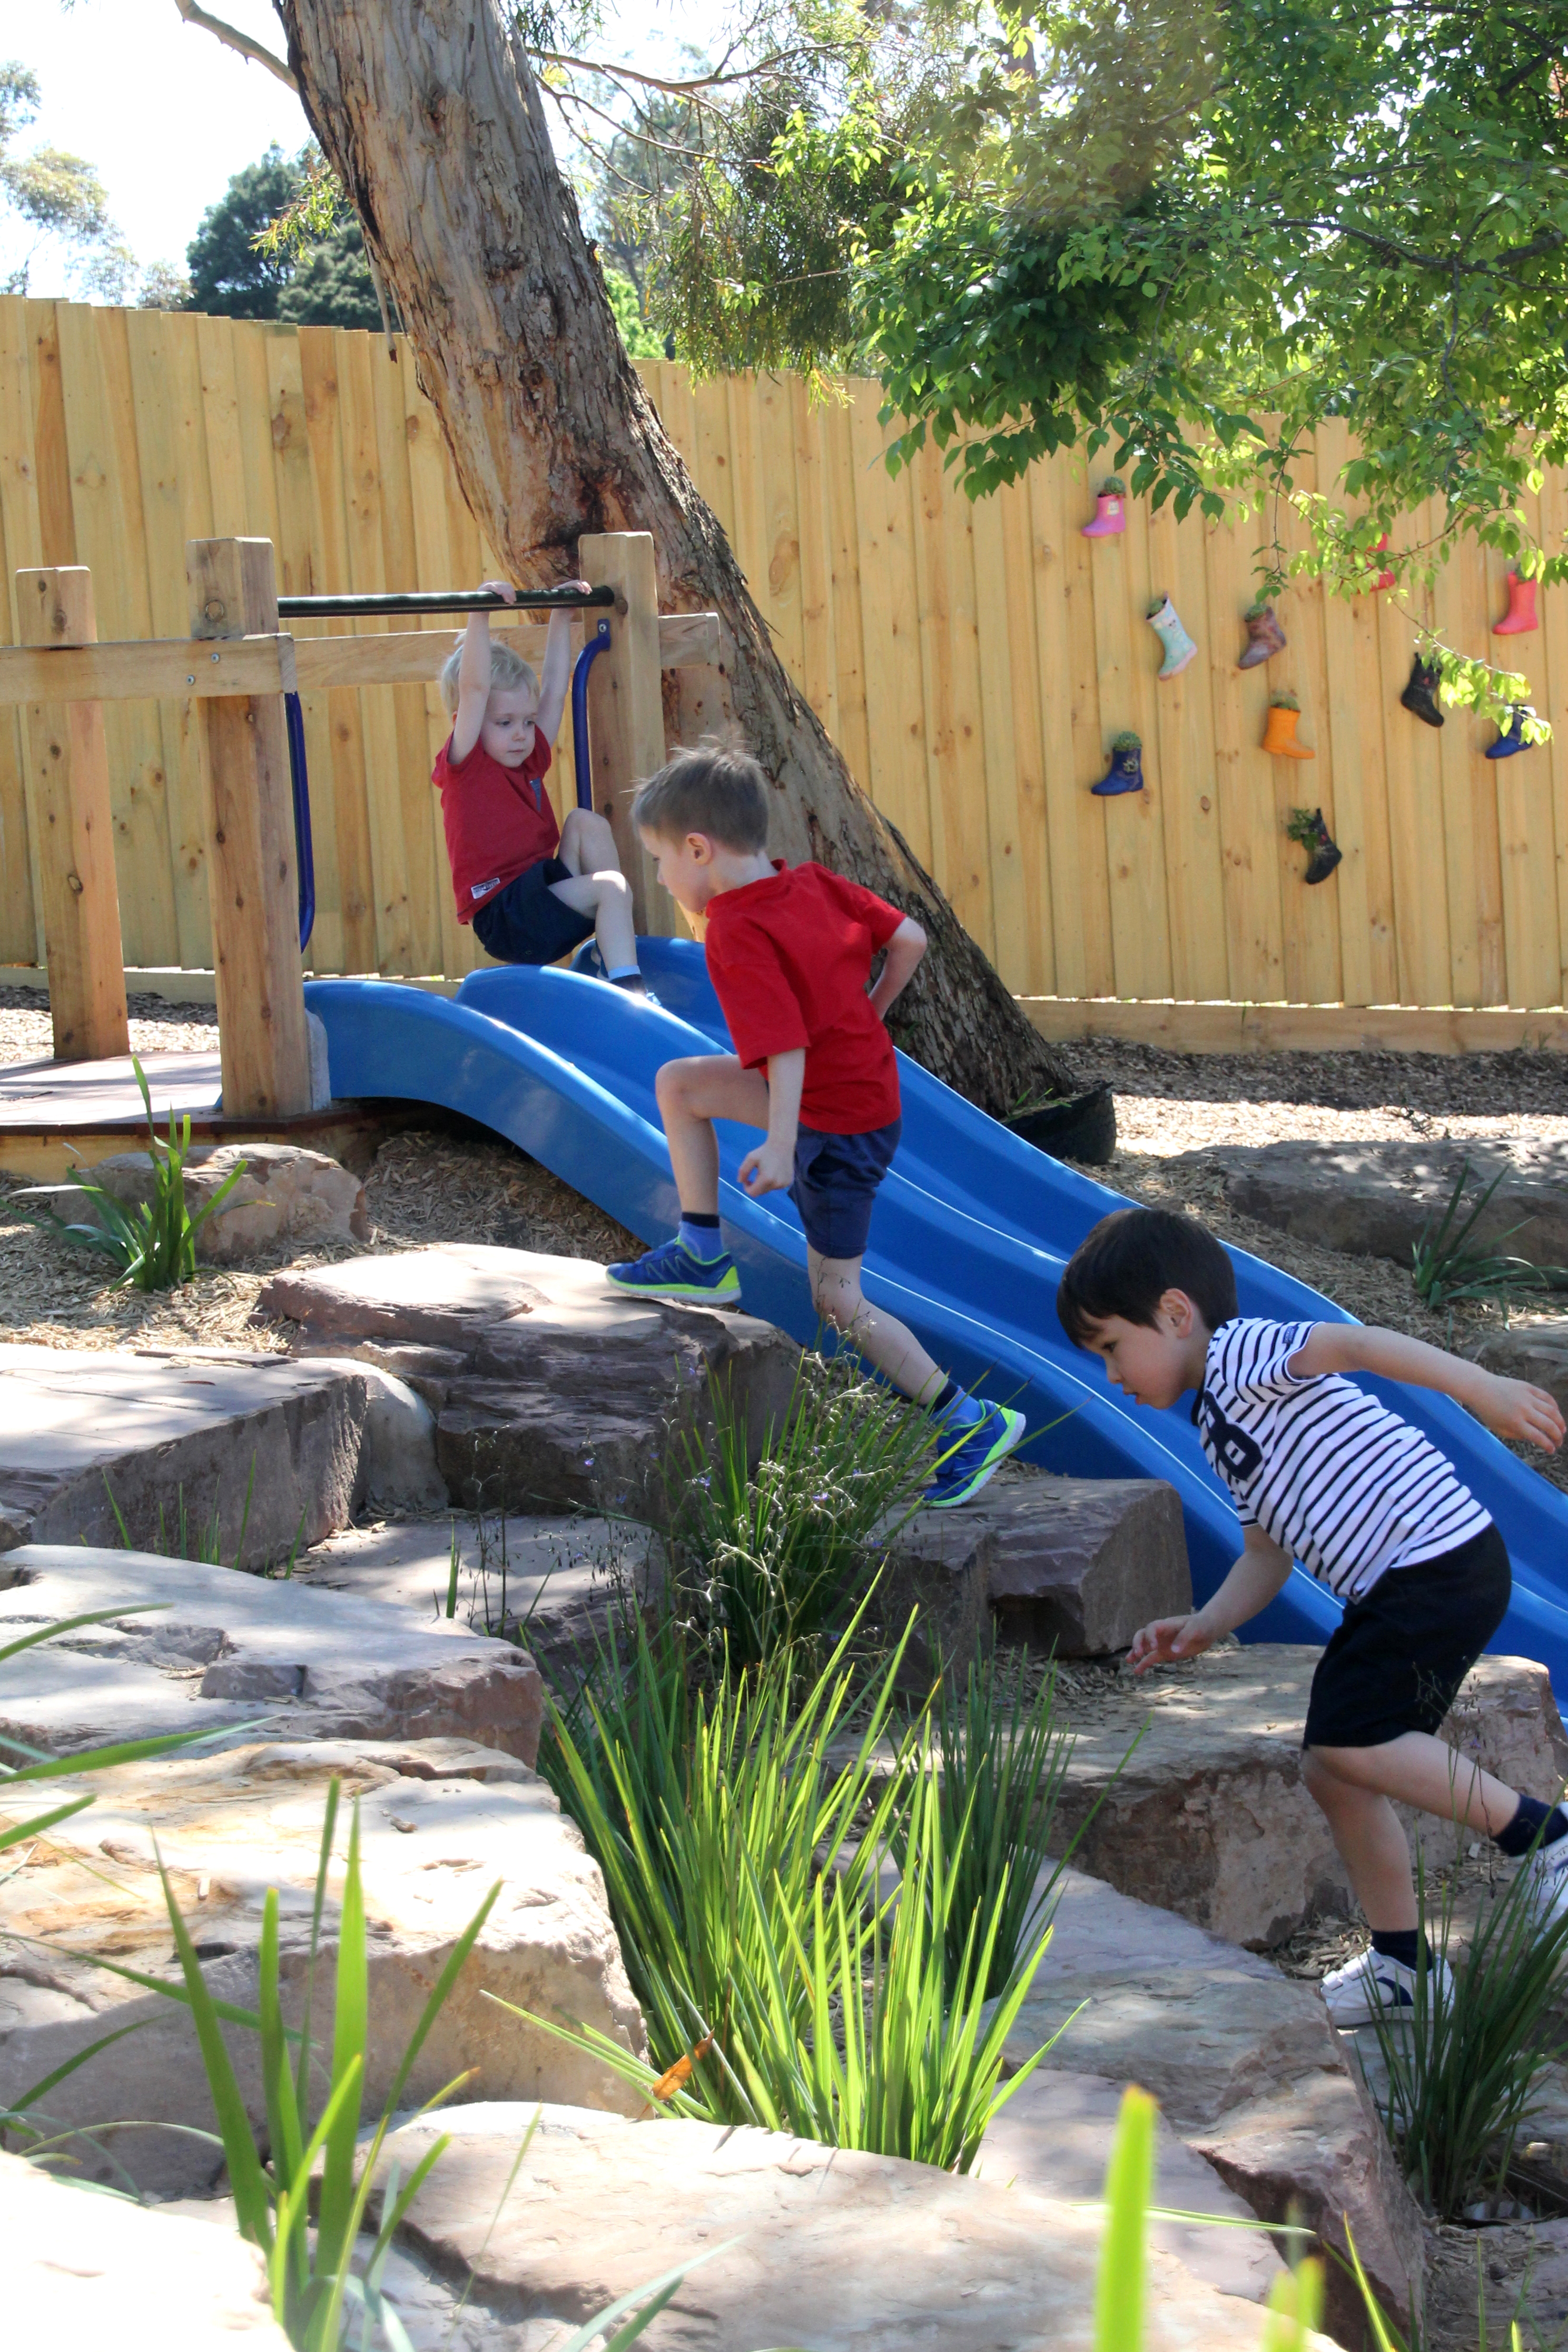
626, 706
262, 1037
76, 848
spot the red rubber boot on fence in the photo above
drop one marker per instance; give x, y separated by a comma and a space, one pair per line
1520, 617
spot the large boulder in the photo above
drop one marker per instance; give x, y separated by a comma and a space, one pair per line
284, 1194
555, 1583
101, 1444
1376, 1199
82, 2272
802, 2244
1072, 1564
552, 1392
1208, 1814
1248, 2071
193, 1648
441, 1821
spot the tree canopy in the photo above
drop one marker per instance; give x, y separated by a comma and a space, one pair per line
240, 268
55, 195
1183, 235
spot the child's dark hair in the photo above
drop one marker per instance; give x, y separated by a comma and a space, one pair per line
716, 788
1126, 1264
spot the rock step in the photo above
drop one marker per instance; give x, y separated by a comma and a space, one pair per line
1209, 1816
440, 1822
551, 1392
805, 2245
222, 1649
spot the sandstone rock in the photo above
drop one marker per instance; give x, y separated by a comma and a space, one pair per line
556, 1581
805, 2245
570, 1397
81, 2273
1247, 2069
397, 1470
1376, 1200
1053, 2138
1209, 1816
1073, 1564
85, 1433
285, 1194
440, 1823
226, 1649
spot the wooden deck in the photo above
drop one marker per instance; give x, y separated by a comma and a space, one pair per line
56, 1115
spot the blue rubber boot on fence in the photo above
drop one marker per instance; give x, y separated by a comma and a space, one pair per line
1512, 739
1125, 773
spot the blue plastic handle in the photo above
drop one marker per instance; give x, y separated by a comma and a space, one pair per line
304, 852
596, 644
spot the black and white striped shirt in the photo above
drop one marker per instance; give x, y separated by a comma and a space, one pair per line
1336, 1479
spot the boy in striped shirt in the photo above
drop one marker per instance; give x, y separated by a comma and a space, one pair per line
1320, 1472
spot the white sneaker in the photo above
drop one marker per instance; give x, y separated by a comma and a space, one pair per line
1547, 1873
1370, 1986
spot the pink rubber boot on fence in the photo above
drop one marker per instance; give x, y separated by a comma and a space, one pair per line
1520, 617
1110, 510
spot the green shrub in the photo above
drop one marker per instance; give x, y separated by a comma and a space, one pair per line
1446, 1265
154, 1245
784, 1553
1464, 2070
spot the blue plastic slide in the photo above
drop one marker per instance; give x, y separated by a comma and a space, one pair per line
971, 1230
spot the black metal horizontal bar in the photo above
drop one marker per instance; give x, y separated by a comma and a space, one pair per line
442, 600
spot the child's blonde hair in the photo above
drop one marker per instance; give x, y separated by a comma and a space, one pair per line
507, 672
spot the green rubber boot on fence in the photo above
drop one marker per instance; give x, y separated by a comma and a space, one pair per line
1165, 623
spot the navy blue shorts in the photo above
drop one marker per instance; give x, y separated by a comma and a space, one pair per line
836, 1177
526, 923
1396, 1658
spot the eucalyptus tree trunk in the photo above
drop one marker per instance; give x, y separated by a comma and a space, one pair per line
428, 114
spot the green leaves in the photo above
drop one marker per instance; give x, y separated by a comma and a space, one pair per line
154, 1245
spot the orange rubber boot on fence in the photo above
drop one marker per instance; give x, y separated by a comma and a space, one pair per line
1279, 737
1520, 617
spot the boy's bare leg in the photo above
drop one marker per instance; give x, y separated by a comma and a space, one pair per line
598, 887
1353, 1787
879, 1337
692, 1094
587, 843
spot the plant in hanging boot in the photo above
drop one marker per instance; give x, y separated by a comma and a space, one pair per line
1520, 617
1306, 826
1165, 623
1420, 695
1523, 731
1264, 635
1280, 735
1125, 773
1110, 510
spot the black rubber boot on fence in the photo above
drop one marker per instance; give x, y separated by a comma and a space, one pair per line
1420, 697
1326, 854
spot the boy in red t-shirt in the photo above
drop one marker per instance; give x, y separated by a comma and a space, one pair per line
789, 952
532, 889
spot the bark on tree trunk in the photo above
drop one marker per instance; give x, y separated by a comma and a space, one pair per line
430, 115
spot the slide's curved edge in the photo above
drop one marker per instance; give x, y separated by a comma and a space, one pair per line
972, 1228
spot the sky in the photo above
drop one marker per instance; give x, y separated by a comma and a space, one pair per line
167, 114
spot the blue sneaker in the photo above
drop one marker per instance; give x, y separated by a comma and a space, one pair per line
671, 1272
977, 1456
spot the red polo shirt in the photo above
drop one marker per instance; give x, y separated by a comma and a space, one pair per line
498, 820
789, 960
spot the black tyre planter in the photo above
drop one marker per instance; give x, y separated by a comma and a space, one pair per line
1082, 1127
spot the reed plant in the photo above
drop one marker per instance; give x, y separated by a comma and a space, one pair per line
1003, 1758
152, 1246
1465, 2065
1448, 1266
783, 1553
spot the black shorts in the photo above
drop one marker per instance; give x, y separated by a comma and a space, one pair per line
1395, 1661
527, 923
836, 1177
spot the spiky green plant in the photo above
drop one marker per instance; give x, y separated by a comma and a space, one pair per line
154, 1245
1448, 1265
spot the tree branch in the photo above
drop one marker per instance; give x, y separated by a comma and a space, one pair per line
233, 38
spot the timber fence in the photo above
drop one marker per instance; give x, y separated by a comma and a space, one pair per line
972, 661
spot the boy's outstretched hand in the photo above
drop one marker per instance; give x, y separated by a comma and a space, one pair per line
1515, 1408
1165, 1641
770, 1168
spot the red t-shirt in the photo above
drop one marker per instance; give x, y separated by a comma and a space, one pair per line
789, 960
498, 820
